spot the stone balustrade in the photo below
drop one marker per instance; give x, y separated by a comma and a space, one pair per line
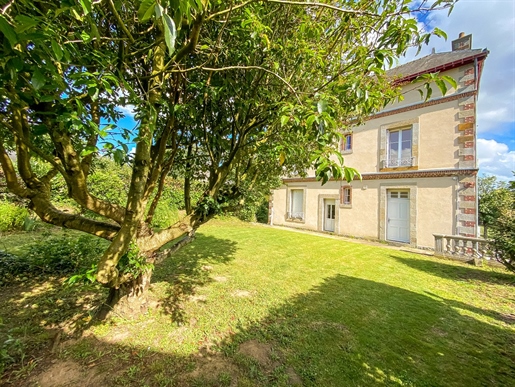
464, 248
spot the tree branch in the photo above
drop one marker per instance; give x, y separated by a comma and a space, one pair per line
48, 213
120, 21
10, 174
256, 68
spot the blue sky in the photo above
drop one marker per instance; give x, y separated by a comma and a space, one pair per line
492, 25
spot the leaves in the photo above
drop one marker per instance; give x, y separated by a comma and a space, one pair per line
24, 23
38, 79
86, 6
8, 31
170, 33
440, 33
146, 10
56, 48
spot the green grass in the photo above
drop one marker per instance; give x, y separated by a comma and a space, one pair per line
254, 306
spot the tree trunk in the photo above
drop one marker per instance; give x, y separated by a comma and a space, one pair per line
130, 299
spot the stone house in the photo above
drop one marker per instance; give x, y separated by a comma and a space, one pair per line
417, 159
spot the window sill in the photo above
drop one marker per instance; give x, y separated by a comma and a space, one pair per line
293, 220
346, 152
345, 205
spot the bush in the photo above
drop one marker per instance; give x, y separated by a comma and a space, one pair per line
11, 265
54, 255
165, 215
12, 217
63, 255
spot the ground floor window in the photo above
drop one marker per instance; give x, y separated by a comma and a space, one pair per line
346, 196
296, 210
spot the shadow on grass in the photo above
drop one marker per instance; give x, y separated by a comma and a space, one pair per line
350, 331
345, 331
190, 268
38, 312
440, 268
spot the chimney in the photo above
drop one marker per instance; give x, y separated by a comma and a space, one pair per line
464, 42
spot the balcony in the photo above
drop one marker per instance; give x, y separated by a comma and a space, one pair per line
399, 162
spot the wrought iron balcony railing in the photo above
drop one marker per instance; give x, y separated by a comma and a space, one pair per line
399, 162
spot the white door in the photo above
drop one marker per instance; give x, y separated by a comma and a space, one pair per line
329, 214
398, 227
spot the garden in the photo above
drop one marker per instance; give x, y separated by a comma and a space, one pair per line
250, 305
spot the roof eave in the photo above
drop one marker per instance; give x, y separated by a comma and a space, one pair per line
446, 66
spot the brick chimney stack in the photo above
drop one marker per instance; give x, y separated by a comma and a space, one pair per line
464, 42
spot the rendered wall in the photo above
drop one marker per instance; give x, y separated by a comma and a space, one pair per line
366, 217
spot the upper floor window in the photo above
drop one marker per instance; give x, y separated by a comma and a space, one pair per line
346, 143
400, 148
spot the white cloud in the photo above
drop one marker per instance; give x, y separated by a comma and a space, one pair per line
495, 159
492, 25
127, 110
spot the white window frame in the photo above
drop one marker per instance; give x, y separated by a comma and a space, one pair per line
399, 161
293, 214
346, 196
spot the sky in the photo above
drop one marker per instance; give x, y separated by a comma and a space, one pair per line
492, 25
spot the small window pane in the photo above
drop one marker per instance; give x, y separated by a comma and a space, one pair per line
394, 136
404, 195
346, 196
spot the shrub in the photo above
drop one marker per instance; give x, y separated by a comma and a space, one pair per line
165, 215
11, 265
12, 217
63, 255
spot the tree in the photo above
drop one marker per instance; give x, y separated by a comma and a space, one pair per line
497, 210
492, 194
225, 93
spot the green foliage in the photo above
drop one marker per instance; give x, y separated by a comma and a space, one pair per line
503, 234
492, 195
12, 217
11, 350
109, 180
497, 214
84, 276
63, 255
165, 215
228, 96
10, 266
134, 263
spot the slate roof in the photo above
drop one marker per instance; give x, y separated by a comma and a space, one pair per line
435, 62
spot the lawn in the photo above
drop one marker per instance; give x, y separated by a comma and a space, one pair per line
248, 305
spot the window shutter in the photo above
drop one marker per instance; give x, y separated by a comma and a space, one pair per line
342, 195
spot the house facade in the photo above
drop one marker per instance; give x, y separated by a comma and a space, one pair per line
417, 159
